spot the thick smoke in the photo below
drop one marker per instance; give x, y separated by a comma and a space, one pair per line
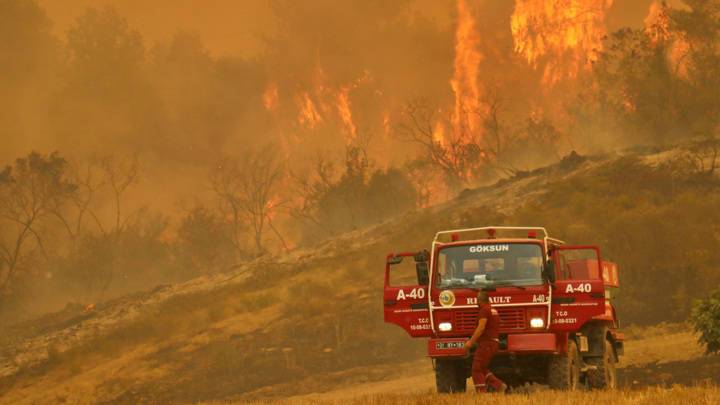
368, 108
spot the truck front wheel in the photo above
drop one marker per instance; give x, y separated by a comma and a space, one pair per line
604, 374
450, 376
564, 369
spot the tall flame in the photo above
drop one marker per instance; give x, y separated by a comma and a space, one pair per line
467, 67
345, 112
327, 103
563, 35
656, 23
308, 114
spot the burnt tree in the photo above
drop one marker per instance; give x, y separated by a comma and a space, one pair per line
247, 189
30, 192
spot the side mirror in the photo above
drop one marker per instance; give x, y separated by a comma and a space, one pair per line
422, 256
421, 268
393, 260
549, 271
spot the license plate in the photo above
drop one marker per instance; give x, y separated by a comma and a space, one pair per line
449, 345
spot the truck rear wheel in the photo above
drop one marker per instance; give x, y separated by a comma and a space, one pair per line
564, 370
605, 373
450, 376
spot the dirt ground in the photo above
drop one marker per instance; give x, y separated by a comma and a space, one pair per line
649, 395
662, 357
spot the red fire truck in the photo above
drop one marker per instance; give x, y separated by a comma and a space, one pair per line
558, 324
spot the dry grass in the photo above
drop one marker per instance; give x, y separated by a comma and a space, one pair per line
675, 395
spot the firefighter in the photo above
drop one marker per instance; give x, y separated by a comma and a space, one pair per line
486, 337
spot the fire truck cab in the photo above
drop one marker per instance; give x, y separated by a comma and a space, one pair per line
558, 324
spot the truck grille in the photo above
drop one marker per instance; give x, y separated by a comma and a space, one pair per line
512, 318
466, 320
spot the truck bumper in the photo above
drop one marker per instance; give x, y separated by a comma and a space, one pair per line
521, 343
532, 342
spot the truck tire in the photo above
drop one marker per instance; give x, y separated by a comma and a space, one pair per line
605, 373
564, 369
450, 376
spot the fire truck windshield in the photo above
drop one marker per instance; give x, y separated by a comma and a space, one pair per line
494, 264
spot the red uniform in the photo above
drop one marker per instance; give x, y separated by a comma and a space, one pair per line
487, 345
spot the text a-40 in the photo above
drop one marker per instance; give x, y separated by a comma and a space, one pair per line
582, 287
415, 293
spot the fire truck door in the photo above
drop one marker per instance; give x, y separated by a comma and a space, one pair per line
579, 293
407, 305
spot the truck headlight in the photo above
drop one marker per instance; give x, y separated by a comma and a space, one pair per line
537, 323
445, 326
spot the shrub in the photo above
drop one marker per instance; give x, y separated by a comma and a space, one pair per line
706, 319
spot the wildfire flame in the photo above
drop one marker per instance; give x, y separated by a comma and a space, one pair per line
657, 28
563, 35
657, 23
467, 67
439, 134
345, 112
325, 103
387, 127
270, 97
271, 207
308, 114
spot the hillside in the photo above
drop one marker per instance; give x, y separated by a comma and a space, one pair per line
307, 321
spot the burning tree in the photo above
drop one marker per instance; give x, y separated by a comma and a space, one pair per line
247, 189
561, 36
659, 84
458, 155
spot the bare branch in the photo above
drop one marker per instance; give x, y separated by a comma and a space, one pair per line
30, 192
121, 173
247, 189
